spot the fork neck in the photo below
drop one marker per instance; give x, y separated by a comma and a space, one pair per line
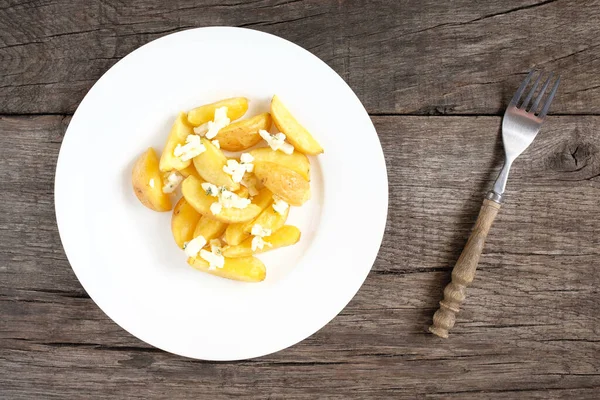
497, 193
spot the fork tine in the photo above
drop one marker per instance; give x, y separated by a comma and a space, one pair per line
549, 99
519, 92
532, 91
541, 93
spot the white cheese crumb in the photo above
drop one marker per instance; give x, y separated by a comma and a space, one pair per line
215, 246
173, 180
280, 206
246, 158
258, 230
210, 189
214, 260
192, 147
221, 121
216, 143
151, 183
277, 141
216, 208
237, 170
201, 130
228, 199
193, 247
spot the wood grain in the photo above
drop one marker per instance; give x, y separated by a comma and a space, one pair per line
528, 329
401, 57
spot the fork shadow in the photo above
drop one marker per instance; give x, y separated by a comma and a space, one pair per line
468, 215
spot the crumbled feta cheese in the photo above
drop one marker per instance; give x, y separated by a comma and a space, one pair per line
280, 206
277, 141
192, 147
215, 246
173, 180
193, 247
228, 199
210, 189
238, 169
216, 208
258, 230
216, 143
214, 260
221, 121
246, 158
151, 183
259, 243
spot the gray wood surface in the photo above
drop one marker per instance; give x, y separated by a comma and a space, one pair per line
531, 321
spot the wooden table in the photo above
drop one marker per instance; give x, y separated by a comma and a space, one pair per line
435, 77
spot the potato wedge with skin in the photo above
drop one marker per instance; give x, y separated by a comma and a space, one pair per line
268, 219
236, 107
245, 269
243, 134
210, 166
179, 132
147, 182
283, 182
235, 234
190, 170
296, 161
197, 197
209, 228
183, 222
287, 235
296, 134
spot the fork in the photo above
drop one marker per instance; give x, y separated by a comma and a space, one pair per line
520, 125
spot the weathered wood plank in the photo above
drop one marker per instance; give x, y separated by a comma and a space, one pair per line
529, 327
426, 57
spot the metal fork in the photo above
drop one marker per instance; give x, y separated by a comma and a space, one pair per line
520, 125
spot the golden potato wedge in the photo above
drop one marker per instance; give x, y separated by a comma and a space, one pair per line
179, 132
268, 219
147, 182
235, 234
209, 228
243, 134
197, 197
296, 161
210, 166
190, 170
236, 107
296, 134
246, 269
287, 235
283, 182
183, 222
242, 192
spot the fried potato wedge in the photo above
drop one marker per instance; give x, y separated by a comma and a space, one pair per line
242, 192
283, 182
287, 235
246, 269
296, 161
236, 107
235, 234
183, 222
296, 134
147, 182
190, 170
243, 134
209, 228
268, 219
210, 166
179, 132
197, 197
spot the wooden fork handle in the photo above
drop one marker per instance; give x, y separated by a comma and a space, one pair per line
464, 271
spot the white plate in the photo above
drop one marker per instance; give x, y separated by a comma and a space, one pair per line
124, 254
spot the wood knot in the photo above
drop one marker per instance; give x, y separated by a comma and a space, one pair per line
576, 160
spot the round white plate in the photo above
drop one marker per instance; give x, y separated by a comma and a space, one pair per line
124, 254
